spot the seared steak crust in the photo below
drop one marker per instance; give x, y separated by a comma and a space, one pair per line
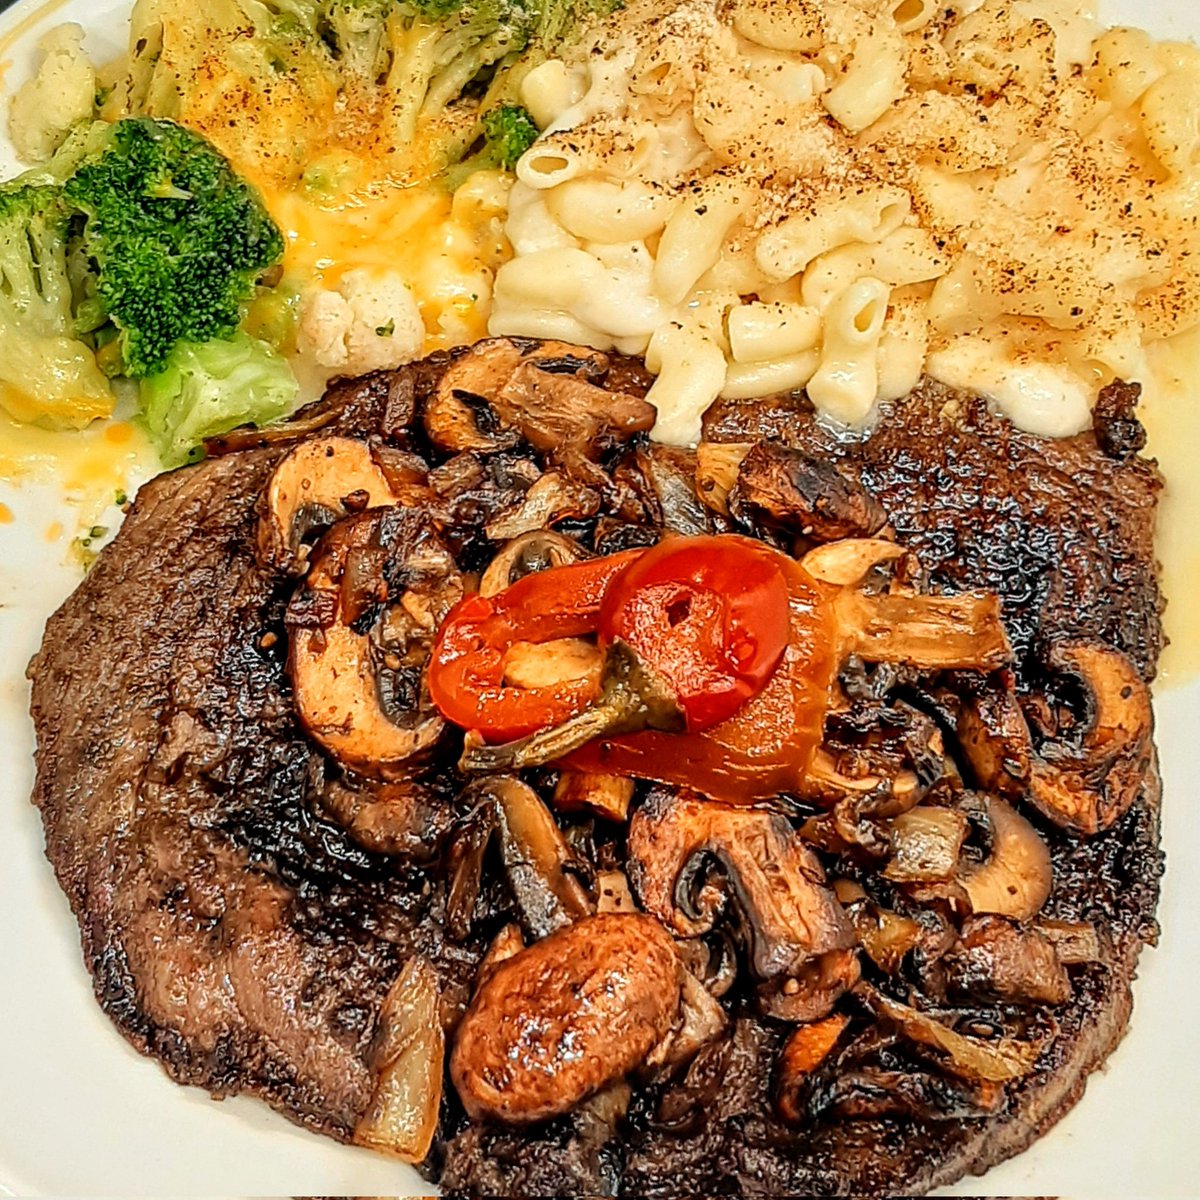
238, 936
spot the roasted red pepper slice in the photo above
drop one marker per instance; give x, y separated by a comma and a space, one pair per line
466, 673
766, 747
709, 615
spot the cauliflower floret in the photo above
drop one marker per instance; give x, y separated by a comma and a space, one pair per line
60, 93
371, 323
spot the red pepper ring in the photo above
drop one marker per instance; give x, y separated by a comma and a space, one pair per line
466, 672
710, 615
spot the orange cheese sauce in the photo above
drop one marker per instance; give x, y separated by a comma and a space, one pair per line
444, 255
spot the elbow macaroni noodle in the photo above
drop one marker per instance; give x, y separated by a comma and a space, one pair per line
843, 196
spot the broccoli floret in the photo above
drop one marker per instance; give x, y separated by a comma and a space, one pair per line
357, 34
46, 373
208, 389
35, 288
507, 132
176, 240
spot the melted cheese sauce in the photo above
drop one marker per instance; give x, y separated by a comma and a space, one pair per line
445, 253
1171, 414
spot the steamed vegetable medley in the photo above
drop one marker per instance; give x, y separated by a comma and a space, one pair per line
213, 212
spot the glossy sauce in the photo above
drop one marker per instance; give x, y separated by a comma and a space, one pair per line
1171, 414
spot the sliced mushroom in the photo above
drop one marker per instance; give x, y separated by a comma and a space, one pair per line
537, 859
877, 760
554, 497
791, 918
1087, 783
314, 485
406, 1055
538, 550
365, 702
870, 1093
934, 633
1016, 878
994, 737
502, 390
995, 960
811, 992
847, 563
458, 418
575, 1012
561, 414
802, 495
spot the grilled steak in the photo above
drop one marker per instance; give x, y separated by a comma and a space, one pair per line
246, 939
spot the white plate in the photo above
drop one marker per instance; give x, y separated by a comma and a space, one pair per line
82, 1113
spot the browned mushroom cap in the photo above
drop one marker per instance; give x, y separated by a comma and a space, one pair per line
1016, 878
994, 737
790, 916
562, 414
537, 860
1088, 783
539, 550
995, 960
502, 390
802, 495
406, 1055
342, 693
561, 1020
315, 484
458, 417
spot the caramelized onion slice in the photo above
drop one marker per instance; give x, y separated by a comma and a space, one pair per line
970, 1058
407, 1055
926, 843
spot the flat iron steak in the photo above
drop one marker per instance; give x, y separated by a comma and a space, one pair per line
243, 926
